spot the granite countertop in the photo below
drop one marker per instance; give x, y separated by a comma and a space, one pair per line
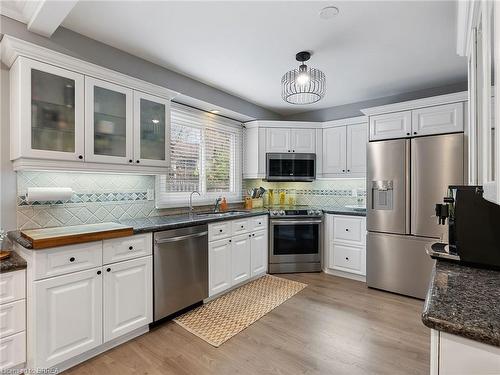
158, 223
464, 301
13, 263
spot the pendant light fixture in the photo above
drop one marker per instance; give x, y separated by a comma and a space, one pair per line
303, 85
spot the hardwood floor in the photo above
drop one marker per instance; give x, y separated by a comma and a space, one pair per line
334, 326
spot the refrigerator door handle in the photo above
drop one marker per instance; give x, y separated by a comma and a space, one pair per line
408, 190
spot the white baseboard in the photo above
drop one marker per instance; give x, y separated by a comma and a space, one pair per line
347, 275
100, 349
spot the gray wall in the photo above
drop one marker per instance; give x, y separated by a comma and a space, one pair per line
354, 109
79, 46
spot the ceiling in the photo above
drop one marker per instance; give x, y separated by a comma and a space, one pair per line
371, 49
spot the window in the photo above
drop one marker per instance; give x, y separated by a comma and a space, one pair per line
205, 155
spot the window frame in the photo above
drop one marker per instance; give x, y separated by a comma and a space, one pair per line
206, 121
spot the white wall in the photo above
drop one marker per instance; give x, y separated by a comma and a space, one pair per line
7, 175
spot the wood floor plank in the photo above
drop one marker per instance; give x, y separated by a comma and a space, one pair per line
334, 326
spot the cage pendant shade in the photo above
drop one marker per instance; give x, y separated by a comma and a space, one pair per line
303, 85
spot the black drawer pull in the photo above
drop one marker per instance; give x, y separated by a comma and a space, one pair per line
242, 227
347, 229
415, 133
249, 235
98, 272
72, 259
260, 223
80, 157
131, 248
220, 230
108, 269
346, 258
229, 240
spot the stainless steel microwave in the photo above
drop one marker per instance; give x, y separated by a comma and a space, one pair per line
290, 167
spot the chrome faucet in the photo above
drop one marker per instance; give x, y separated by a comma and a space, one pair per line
191, 209
217, 203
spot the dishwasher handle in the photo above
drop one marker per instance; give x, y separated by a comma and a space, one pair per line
180, 238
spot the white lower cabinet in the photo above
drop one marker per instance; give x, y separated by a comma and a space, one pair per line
345, 239
68, 316
72, 315
239, 257
219, 260
126, 306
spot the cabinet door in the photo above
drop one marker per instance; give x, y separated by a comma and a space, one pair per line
391, 125
151, 130
47, 111
440, 119
303, 140
334, 150
259, 253
240, 258
68, 313
108, 110
278, 140
219, 269
128, 296
357, 136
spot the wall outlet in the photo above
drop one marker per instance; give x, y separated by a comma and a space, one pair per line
150, 194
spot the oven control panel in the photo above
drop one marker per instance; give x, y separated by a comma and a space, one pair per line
296, 213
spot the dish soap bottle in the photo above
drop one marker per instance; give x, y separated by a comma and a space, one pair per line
223, 204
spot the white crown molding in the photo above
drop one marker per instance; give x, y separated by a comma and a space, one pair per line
11, 48
418, 103
283, 124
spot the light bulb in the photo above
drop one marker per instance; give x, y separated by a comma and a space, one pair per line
303, 78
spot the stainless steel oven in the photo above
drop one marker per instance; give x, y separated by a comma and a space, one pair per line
290, 167
295, 241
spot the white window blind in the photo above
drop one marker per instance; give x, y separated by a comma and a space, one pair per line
205, 155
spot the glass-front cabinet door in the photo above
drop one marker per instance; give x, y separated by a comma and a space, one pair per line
151, 130
109, 131
50, 111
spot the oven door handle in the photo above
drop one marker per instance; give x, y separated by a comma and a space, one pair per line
285, 221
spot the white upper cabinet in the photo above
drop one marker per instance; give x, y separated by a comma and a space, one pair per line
254, 153
290, 140
278, 140
334, 150
439, 119
357, 137
151, 130
47, 112
303, 140
390, 125
108, 111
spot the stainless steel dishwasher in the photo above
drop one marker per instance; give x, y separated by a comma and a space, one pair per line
180, 269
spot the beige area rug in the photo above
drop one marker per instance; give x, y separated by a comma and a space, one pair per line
220, 319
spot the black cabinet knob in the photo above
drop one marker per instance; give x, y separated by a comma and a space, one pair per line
343, 170
347, 229
131, 248
108, 269
229, 240
72, 259
220, 230
137, 161
98, 272
415, 133
293, 151
407, 133
346, 258
348, 170
130, 161
288, 150
253, 235
249, 235
260, 223
242, 227
80, 157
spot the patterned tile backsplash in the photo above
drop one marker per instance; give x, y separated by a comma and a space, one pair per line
97, 198
111, 197
331, 193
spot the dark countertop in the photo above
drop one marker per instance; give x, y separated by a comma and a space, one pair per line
13, 263
158, 223
154, 224
464, 301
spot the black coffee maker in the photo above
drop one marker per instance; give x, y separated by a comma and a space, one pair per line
473, 228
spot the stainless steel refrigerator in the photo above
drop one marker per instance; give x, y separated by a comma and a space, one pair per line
405, 179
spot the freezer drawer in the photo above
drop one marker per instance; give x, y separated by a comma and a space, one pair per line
398, 264
436, 163
388, 200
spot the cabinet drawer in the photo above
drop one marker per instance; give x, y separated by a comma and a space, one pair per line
218, 231
347, 257
13, 350
12, 317
259, 223
241, 226
118, 249
66, 259
348, 229
12, 286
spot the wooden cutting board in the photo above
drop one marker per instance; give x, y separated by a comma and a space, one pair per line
61, 236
